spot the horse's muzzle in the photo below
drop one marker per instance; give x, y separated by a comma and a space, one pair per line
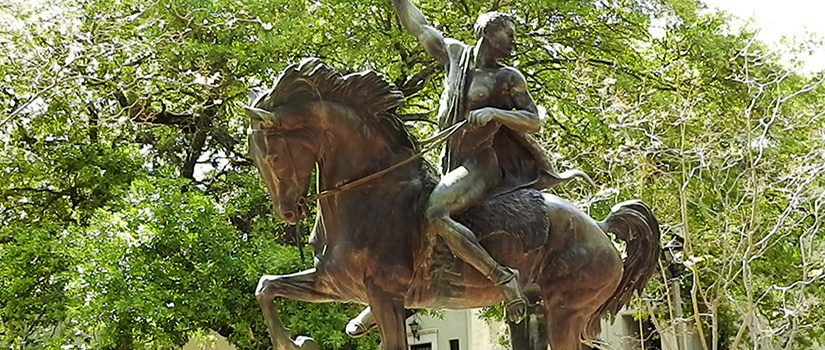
287, 215
290, 217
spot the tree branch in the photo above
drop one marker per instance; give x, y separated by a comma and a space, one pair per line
144, 114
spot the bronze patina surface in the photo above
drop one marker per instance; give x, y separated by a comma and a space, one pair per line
494, 154
376, 244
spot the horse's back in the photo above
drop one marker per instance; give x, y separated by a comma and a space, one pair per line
519, 215
583, 255
550, 241
569, 224
529, 219
544, 236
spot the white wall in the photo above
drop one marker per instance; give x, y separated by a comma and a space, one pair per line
473, 333
462, 325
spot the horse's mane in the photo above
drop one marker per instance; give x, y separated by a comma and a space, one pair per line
313, 80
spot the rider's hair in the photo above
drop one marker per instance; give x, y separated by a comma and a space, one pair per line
490, 19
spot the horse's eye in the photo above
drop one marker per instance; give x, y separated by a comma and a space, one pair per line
271, 159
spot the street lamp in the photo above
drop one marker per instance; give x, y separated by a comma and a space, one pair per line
673, 255
414, 328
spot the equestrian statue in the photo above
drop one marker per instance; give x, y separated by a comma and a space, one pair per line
392, 234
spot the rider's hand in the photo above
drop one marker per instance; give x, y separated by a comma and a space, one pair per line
481, 116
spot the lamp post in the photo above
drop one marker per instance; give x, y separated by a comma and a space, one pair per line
414, 328
673, 256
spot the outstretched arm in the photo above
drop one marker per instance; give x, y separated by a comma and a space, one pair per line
416, 24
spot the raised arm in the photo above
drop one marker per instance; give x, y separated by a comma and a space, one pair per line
416, 24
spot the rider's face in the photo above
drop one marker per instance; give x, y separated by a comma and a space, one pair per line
502, 38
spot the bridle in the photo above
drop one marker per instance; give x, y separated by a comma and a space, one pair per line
428, 145
289, 158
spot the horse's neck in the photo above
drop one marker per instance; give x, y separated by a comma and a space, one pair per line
380, 216
353, 149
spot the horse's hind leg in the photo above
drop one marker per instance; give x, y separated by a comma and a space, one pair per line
388, 311
298, 286
568, 312
564, 327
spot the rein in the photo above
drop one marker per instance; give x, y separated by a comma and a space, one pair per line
429, 144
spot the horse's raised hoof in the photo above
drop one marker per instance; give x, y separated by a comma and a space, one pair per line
515, 304
357, 330
361, 324
306, 343
516, 310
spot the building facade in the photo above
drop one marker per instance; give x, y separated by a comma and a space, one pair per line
465, 330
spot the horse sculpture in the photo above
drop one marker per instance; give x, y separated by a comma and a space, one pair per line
371, 239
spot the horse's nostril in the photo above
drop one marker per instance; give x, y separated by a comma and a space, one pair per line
289, 216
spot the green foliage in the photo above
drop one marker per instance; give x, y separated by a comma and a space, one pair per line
132, 217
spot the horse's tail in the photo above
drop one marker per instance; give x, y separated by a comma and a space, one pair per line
634, 223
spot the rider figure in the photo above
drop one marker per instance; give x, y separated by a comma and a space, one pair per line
492, 155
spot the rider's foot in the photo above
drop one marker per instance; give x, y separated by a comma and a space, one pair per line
361, 324
515, 304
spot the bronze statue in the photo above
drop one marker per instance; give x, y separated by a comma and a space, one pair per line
374, 243
494, 155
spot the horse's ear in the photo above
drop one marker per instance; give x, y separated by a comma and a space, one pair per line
259, 114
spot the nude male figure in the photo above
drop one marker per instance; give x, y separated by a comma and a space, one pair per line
492, 154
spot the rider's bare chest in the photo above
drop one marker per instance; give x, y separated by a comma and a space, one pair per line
488, 88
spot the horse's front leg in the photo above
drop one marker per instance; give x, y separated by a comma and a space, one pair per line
388, 311
298, 286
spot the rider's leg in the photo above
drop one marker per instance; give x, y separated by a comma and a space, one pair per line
460, 189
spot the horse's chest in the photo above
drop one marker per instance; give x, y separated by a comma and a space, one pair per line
370, 238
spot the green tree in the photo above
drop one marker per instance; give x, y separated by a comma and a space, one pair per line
132, 217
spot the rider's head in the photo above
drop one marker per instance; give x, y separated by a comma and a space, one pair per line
491, 20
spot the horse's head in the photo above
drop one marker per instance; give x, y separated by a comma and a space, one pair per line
312, 110
285, 158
